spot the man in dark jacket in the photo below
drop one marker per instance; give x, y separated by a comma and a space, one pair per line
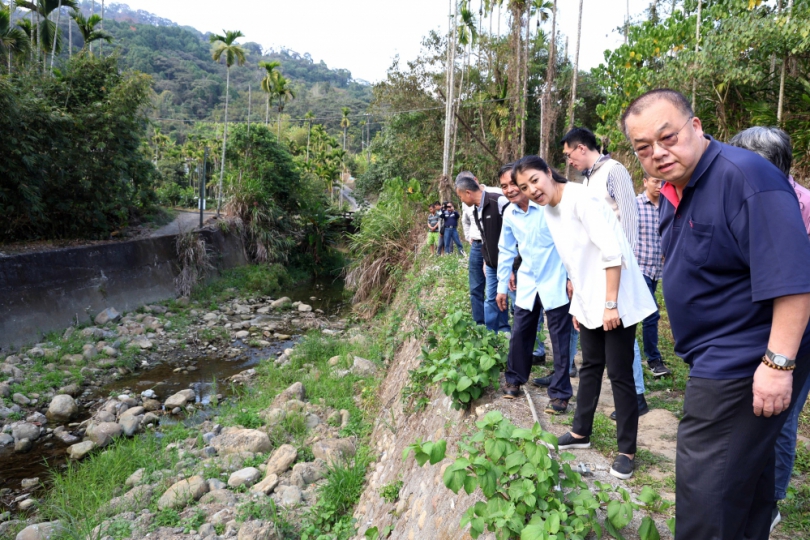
488, 214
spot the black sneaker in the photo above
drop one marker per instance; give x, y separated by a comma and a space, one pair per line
573, 371
539, 359
623, 467
557, 406
511, 391
569, 441
543, 381
776, 517
643, 408
659, 369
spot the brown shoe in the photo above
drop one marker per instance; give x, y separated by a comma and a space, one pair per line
557, 406
511, 391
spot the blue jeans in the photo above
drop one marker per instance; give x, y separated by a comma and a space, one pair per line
450, 238
477, 282
495, 319
649, 327
638, 372
786, 443
574, 340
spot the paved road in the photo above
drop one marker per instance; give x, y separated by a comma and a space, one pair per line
185, 221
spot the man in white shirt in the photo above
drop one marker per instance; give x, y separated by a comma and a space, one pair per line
609, 180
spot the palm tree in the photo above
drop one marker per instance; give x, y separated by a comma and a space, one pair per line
46, 30
268, 84
283, 93
12, 39
309, 116
345, 123
546, 116
226, 47
87, 28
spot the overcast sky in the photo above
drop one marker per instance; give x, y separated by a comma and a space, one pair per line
364, 35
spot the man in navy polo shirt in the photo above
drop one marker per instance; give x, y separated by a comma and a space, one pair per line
737, 291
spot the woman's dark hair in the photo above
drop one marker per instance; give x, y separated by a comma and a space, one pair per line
560, 179
535, 163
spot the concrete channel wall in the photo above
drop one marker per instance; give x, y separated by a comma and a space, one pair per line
50, 290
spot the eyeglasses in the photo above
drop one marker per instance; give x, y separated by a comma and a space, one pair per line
667, 141
568, 155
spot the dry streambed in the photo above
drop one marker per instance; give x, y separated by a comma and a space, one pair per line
136, 372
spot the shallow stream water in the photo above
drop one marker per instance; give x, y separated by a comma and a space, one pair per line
207, 369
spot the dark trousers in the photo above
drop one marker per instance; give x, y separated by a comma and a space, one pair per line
725, 460
477, 282
649, 327
613, 349
521, 347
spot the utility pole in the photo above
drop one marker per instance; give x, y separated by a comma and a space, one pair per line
202, 185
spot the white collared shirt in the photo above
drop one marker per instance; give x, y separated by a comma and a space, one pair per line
589, 240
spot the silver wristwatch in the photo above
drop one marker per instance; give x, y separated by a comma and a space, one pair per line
780, 360
610, 305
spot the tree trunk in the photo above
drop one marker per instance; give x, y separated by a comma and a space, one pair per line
56, 33
344, 139
92, 12
780, 106
525, 97
224, 137
267, 111
697, 49
11, 6
546, 107
102, 24
450, 87
249, 98
574, 81
309, 132
70, 37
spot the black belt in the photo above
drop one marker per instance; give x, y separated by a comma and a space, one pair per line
476, 241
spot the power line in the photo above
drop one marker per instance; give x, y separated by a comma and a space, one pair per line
359, 115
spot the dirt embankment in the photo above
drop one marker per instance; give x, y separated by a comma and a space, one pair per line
428, 509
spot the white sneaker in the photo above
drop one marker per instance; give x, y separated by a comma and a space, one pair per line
776, 518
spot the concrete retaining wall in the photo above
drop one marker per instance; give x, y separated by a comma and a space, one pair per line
47, 291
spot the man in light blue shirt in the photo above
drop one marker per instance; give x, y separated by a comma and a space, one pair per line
541, 283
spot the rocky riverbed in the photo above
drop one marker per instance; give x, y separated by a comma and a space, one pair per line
69, 397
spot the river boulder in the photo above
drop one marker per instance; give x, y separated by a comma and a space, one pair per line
244, 477
62, 409
179, 399
41, 531
280, 303
333, 451
108, 315
281, 460
183, 492
79, 450
102, 434
236, 440
25, 430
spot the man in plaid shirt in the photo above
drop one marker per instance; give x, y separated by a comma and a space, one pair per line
648, 253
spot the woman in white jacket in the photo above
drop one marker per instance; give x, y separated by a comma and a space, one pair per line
609, 298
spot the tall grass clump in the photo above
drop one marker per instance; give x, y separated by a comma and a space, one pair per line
192, 253
382, 249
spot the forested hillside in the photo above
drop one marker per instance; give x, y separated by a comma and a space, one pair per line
189, 86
